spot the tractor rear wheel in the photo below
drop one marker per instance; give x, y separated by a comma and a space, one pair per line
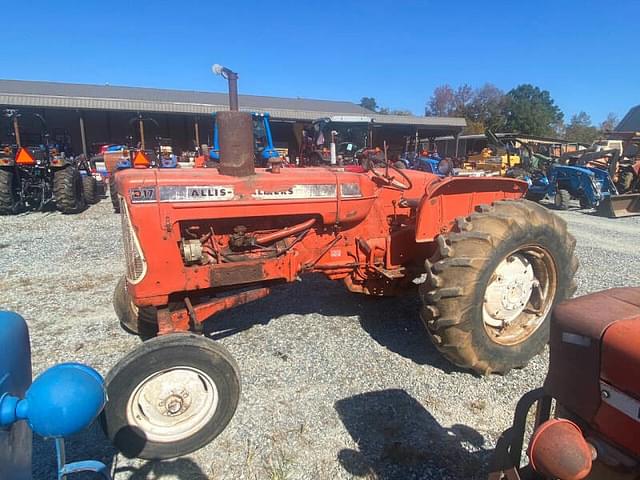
562, 199
8, 200
90, 189
67, 190
139, 321
170, 396
113, 192
491, 286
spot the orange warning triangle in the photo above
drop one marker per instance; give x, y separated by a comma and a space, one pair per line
24, 157
141, 160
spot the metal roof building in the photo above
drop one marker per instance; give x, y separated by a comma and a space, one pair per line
630, 122
107, 110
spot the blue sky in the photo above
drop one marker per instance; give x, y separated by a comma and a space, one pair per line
583, 52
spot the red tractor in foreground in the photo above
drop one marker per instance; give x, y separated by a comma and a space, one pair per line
594, 430
200, 241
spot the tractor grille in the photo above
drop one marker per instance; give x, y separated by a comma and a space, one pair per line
136, 263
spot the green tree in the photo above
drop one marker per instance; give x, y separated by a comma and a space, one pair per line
531, 110
580, 129
486, 109
369, 103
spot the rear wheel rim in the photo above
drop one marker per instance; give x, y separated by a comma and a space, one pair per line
519, 295
173, 404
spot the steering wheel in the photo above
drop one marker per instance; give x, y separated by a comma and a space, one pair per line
391, 180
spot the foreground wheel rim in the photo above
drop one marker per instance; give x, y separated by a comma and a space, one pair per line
173, 404
519, 295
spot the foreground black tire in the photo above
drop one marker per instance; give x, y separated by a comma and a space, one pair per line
493, 283
113, 192
170, 396
90, 189
535, 197
562, 200
136, 320
8, 201
68, 191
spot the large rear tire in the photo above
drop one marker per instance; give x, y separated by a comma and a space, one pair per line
90, 189
113, 192
139, 321
68, 191
8, 202
491, 287
170, 396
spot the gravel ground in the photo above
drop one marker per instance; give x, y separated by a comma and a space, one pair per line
335, 385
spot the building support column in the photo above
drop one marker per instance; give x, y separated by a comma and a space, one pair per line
83, 136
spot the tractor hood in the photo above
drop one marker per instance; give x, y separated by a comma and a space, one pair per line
335, 195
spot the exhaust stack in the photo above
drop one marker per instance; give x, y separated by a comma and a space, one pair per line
235, 130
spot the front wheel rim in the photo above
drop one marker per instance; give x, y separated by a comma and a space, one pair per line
173, 404
519, 295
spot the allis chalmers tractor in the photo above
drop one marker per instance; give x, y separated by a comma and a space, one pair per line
199, 241
34, 177
594, 429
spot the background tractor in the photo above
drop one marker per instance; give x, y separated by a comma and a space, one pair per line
587, 421
263, 141
122, 157
199, 241
33, 177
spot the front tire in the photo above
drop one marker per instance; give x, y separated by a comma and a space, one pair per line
491, 287
172, 395
133, 319
90, 189
68, 191
8, 202
113, 192
562, 199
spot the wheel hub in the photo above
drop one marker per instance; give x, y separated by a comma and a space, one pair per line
173, 404
509, 291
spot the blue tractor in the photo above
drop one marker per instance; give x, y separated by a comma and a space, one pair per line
64, 400
571, 176
263, 141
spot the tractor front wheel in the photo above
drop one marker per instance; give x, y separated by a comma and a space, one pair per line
491, 287
139, 321
113, 192
67, 190
8, 200
562, 199
90, 189
170, 396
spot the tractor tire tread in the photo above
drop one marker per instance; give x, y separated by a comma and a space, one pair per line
68, 197
450, 291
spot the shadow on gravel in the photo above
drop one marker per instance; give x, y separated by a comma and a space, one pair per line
93, 445
398, 439
180, 468
392, 322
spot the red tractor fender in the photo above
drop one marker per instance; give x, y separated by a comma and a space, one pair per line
455, 197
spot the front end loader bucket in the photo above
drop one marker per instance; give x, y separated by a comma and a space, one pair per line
616, 206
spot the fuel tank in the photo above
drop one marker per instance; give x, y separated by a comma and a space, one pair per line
594, 359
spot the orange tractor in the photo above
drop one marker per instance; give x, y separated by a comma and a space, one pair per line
200, 241
593, 430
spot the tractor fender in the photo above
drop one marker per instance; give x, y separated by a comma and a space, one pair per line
454, 197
